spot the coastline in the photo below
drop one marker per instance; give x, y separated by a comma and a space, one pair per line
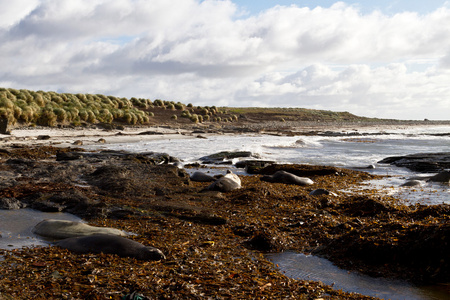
212, 240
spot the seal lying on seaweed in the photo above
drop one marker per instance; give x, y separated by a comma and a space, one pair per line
111, 244
288, 178
226, 183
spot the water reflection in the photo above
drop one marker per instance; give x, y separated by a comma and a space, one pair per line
16, 226
308, 267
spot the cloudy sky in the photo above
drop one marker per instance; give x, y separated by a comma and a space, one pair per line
387, 59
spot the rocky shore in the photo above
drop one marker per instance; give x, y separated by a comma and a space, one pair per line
214, 242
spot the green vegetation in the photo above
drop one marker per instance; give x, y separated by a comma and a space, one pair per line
31, 108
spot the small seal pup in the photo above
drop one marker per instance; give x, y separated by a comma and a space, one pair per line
110, 244
61, 229
226, 183
288, 178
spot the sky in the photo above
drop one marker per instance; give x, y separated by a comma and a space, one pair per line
385, 59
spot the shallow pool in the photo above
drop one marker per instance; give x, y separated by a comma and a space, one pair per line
309, 267
16, 227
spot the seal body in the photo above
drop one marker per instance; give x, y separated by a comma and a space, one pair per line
288, 178
227, 183
412, 182
201, 177
441, 177
110, 244
61, 229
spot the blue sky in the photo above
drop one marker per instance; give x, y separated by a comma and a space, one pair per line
386, 59
385, 6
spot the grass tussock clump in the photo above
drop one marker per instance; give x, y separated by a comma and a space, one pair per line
30, 108
51, 108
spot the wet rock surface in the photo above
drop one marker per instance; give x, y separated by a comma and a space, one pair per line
421, 162
213, 241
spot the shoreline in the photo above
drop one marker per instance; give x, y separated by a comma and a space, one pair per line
69, 135
214, 242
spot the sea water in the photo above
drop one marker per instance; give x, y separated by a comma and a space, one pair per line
349, 149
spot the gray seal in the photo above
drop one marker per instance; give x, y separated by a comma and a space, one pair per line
61, 229
111, 244
288, 178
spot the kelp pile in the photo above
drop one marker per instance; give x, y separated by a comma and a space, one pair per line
214, 242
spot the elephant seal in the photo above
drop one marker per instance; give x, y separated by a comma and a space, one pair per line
110, 244
201, 177
441, 177
61, 229
226, 183
411, 183
288, 178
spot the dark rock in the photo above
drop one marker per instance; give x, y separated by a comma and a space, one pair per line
64, 156
4, 124
441, 177
319, 192
43, 137
421, 162
11, 203
220, 157
300, 170
151, 133
253, 166
262, 241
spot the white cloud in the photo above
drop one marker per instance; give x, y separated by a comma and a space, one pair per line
207, 53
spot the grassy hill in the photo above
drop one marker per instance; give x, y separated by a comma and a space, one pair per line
31, 108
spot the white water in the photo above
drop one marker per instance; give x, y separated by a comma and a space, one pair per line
341, 151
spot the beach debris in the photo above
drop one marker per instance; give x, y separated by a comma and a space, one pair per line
319, 192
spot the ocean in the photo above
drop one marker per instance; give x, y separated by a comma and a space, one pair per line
345, 148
